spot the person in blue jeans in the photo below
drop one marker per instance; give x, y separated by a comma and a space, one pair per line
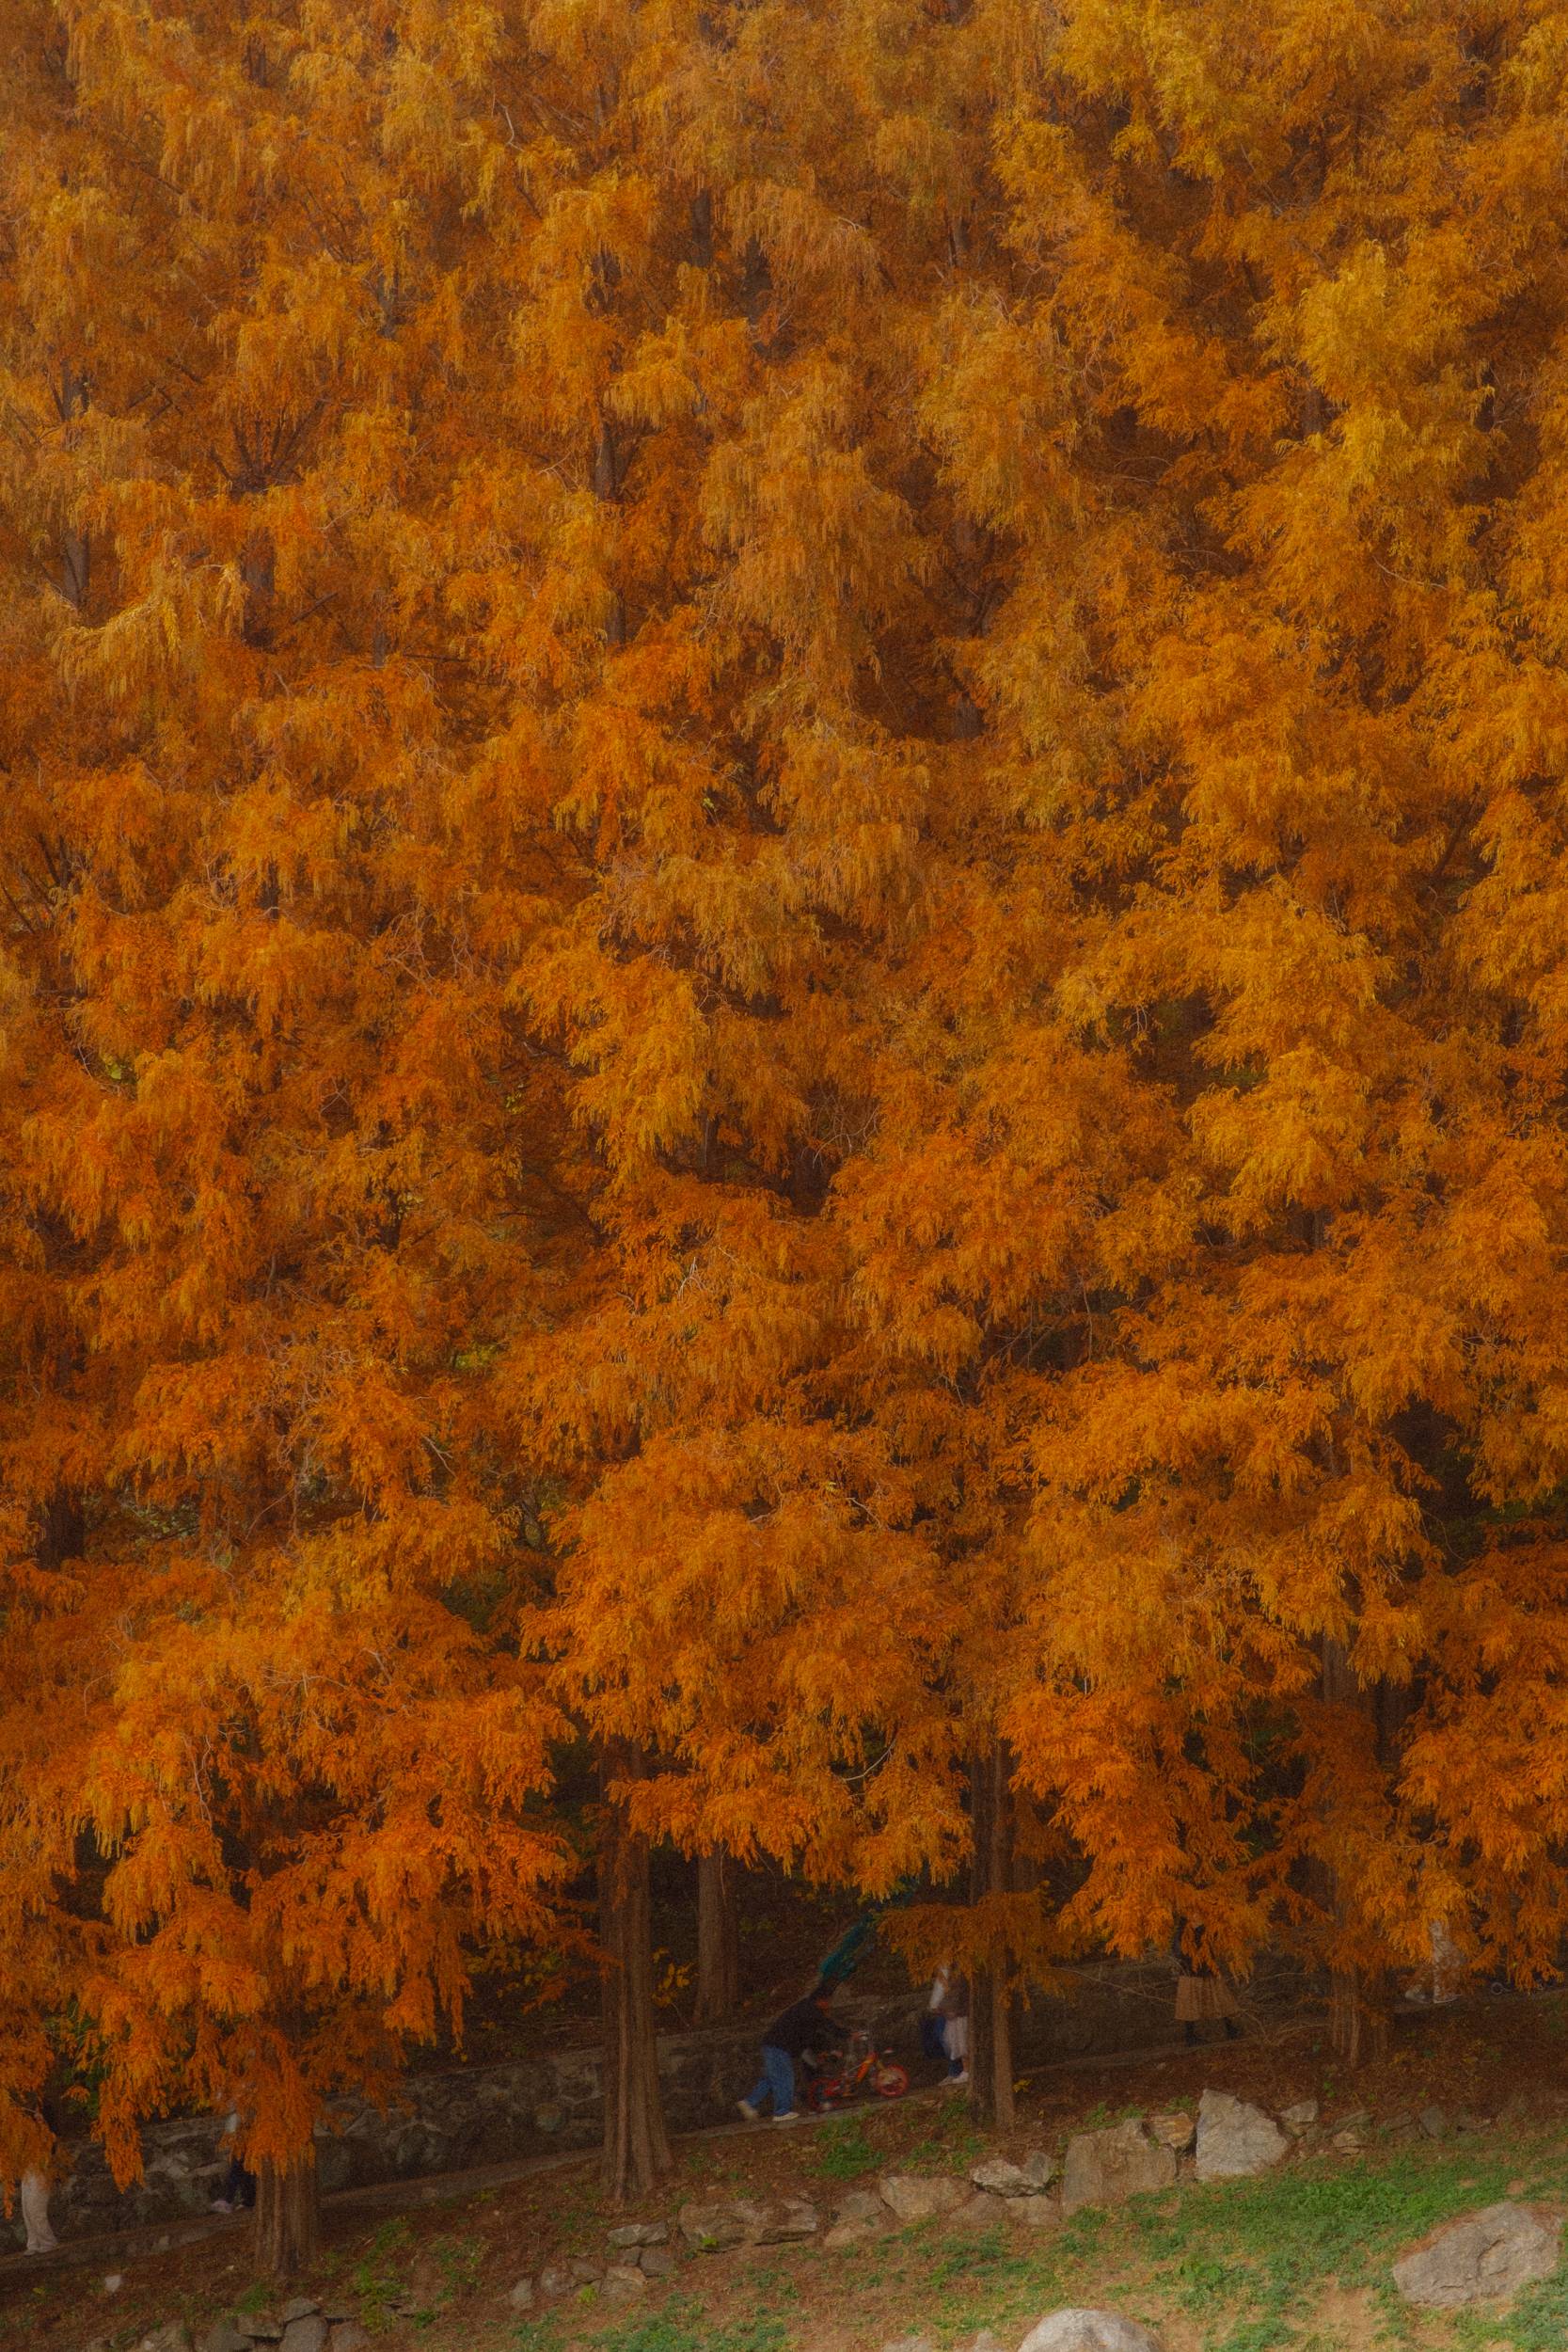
791, 2037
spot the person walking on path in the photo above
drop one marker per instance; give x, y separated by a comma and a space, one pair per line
795, 2034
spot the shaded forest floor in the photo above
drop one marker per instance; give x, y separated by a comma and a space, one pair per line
1297, 2260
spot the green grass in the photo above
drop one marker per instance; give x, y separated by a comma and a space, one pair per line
375, 2278
1249, 2260
682, 2326
843, 2151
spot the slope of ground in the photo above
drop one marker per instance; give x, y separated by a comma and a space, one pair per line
1298, 2259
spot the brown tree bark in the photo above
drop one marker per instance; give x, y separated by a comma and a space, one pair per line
636, 2146
1359, 2002
287, 2217
991, 2025
718, 1939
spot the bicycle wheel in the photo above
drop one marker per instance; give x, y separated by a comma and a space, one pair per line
891, 2081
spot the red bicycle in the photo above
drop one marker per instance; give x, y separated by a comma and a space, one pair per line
858, 2071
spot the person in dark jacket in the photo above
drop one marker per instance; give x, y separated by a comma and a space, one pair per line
796, 2034
238, 2193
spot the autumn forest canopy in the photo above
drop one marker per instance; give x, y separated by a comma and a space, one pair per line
784, 1002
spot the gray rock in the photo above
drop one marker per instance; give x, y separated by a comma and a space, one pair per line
586, 2274
1172, 2131
710, 2228
1483, 2258
623, 2282
306, 2334
640, 2234
1080, 2331
984, 2341
173, 2337
982, 2211
1347, 2143
1299, 2117
113, 2280
1039, 2169
1103, 2168
919, 2196
909, 2343
656, 2262
1433, 2123
299, 2307
1035, 2213
1235, 2141
554, 2284
223, 2336
524, 2295
861, 2205
348, 2336
996, 2177
776, 2221
846, 2234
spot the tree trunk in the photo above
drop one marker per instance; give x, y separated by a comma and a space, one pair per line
636, 2149
718, 1941
287, 2217
991, 2025
1359, 2002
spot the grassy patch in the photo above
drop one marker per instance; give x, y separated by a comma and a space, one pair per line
682, 2326
376, 2277
843, 2151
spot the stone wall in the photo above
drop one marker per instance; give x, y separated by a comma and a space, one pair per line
452, 2121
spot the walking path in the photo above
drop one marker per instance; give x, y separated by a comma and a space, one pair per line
110, 2251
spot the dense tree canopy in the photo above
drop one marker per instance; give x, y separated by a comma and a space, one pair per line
784, 901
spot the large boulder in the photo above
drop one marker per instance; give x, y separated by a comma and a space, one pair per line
1482, 2259
1088, 2331
996, 2177
1035, 2213
776, 2221
919, 2196
1235, 2140
639, 2234
860, 2218
623, 2283
708, 2228
1103, 2168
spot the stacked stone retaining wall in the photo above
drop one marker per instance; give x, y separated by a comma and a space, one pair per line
458, 2117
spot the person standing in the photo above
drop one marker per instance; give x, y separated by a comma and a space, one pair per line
955, 2028
238, 2193
795, 2034
38, 2180
933, 2026
1202, 1995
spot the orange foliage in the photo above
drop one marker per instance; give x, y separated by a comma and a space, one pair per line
781, 975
